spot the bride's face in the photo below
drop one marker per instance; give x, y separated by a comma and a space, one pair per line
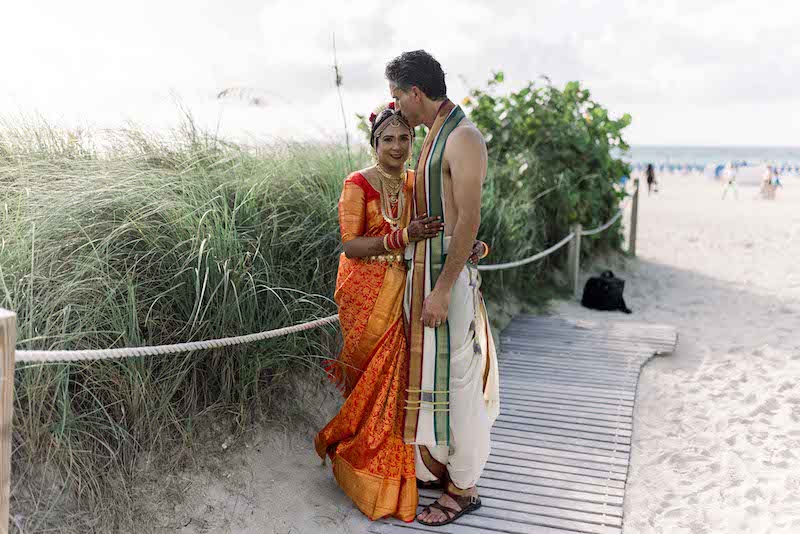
394, 147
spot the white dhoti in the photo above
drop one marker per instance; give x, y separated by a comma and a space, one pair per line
474, 389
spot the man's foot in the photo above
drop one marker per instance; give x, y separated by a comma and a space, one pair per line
431, 485
449, 507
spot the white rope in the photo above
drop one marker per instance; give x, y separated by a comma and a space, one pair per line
604, 227
542, 254
609, 223
130, 352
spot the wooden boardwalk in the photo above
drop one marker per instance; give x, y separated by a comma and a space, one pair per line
561, 446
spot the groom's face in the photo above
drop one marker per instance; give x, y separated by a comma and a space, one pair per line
409, 103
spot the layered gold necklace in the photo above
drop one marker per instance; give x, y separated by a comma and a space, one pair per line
391, 187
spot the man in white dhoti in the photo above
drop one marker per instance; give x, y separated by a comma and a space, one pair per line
453, 395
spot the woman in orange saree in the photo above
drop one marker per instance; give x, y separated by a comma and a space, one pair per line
364, 441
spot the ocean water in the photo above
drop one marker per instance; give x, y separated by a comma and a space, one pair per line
664, 156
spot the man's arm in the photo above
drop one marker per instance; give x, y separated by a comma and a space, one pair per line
466, 156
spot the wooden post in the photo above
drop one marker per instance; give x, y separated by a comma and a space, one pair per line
8, 342
634, 218
574, 258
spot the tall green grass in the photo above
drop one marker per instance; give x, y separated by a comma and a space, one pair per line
142, 240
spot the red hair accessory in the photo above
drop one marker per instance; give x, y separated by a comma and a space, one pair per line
372, 118
391, 105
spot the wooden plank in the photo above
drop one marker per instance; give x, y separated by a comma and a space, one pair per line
562, 387
536, 463
534, 400
523, 353
614, 344
582, 421
618, 430
528, 487
535, 453
8, 344
568, 433
559, 441
522, 330
510, 407
631, 352
542, 363
570, 376
615, 347
563, 505
515, 475
554, 326
521, 438
513, 394
556, 410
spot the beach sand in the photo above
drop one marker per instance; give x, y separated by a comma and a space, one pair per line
716, 443
717, 430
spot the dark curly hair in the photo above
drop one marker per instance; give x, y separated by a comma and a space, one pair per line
420, 69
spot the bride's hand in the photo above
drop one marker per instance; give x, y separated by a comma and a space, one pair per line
477, 253
424, 228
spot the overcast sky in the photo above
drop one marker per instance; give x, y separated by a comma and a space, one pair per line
690, 72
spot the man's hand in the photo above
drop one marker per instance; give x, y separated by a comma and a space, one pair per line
434, 309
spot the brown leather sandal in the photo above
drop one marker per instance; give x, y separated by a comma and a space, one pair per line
467, 503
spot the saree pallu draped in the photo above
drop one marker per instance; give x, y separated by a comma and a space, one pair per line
371, 463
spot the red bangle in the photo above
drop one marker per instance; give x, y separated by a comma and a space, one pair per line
391, 241
397, 237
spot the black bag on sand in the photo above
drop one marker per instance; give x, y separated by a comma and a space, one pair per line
604, 292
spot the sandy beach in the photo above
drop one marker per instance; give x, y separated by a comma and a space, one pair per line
717, 429
716, 445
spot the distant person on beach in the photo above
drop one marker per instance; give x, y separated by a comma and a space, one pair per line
729, 178
652, 184
776, 181
767, 186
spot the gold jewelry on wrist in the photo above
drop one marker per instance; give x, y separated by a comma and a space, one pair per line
406, 239
486, 249
386, 244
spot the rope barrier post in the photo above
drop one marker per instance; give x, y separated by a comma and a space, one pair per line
574, 258
634, 218
8, 342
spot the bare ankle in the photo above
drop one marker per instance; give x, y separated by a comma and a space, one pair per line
455, 490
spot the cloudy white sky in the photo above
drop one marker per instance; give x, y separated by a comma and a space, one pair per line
693, 72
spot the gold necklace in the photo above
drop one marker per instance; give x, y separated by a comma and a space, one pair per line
390, 196
394, 183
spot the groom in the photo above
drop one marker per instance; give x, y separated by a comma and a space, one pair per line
453, 395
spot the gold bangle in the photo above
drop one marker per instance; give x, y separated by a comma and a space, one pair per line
406, 239
385, 243
486, 251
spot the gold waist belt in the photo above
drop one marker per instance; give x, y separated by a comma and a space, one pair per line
384, 258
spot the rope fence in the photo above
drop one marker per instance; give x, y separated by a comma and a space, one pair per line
133, 352
518, 263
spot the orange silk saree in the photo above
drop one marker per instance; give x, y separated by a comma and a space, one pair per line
365, 439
